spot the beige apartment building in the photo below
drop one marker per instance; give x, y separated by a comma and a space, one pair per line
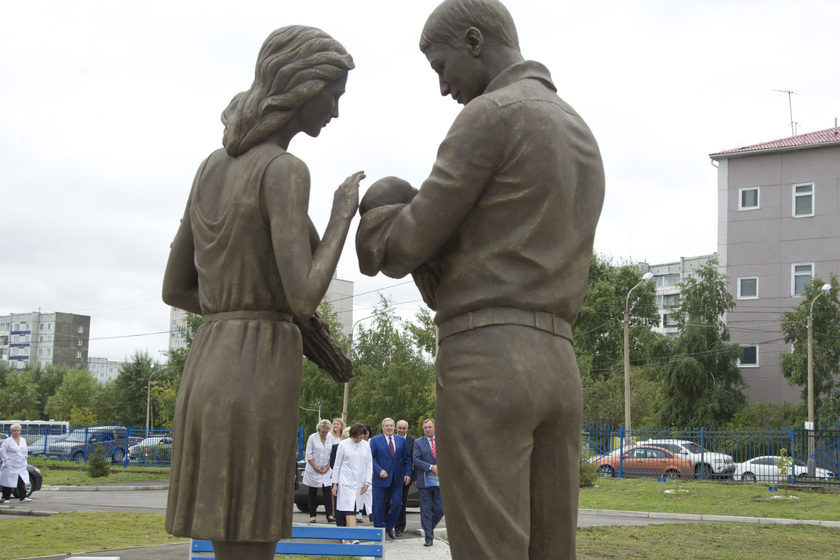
778, 227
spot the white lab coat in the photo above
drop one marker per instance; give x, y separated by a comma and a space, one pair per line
353, 468
321, 453
13, 456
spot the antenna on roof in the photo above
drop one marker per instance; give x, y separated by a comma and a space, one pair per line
790, 106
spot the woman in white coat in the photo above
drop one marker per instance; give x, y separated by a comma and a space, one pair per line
13, 473
351, 475
317, 473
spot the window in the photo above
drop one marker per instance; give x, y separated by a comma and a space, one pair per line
749, 357
81, 329
803, 200
748, 288
669, 320
801, 274
666, 280
79, 354
748, 198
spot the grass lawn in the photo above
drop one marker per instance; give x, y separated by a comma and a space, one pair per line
724, 541
706, 497
67, 533
67, 473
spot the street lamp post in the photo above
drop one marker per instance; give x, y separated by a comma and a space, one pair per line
647, 276
149, 399
810, 425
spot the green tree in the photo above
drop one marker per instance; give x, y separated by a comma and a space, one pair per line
79, 389
424, 332
826, 351
131, 389
47, 379
701, 383
317, 387
392, 377
769, 415
599, 328
19, 396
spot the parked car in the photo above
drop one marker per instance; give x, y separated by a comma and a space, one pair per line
40, 445
766, 469
154, 449
644, 460
302, 492
35, 480
705, 463
82, 442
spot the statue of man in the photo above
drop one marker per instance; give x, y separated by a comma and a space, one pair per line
499, 240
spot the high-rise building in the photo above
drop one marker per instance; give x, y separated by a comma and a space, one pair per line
44, 339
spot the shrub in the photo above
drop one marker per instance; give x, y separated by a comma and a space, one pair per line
97, 464
588, 476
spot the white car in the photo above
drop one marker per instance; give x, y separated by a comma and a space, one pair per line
766, 469
707, 463
135, 450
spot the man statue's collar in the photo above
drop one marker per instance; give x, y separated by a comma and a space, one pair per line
521, 71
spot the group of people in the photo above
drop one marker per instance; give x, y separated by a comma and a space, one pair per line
358, 474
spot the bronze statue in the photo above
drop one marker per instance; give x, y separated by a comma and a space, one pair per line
499, 239
248, 258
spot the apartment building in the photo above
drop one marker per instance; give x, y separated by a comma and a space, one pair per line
103, 369
44, 339
667, 278
778, 227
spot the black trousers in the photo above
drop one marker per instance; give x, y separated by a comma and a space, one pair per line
21, 490
326, 492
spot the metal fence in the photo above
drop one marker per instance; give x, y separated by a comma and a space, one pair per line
124, 445
769, 455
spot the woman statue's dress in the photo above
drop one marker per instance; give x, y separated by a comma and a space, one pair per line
234, 447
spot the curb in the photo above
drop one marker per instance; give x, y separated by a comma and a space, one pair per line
709, 518
28, 512
94, 488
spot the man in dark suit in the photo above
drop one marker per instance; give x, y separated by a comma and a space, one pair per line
402, 430
391, 471
426, 470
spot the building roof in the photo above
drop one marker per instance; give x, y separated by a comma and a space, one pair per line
829, 136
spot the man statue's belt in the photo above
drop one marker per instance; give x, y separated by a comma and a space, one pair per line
505, 316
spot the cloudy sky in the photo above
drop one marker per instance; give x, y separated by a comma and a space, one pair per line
109, 107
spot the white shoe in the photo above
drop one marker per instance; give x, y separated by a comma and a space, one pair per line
26, 500
3, 501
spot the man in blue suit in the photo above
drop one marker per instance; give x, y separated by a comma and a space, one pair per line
391, 470
426, 470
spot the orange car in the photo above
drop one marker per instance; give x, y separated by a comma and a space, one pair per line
644, 460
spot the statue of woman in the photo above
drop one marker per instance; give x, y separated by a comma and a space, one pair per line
247, 258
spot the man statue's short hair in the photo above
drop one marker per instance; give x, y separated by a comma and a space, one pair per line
451, 19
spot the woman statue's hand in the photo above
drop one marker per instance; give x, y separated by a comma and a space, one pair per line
346, 197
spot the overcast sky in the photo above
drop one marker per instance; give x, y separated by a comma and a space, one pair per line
109, 107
